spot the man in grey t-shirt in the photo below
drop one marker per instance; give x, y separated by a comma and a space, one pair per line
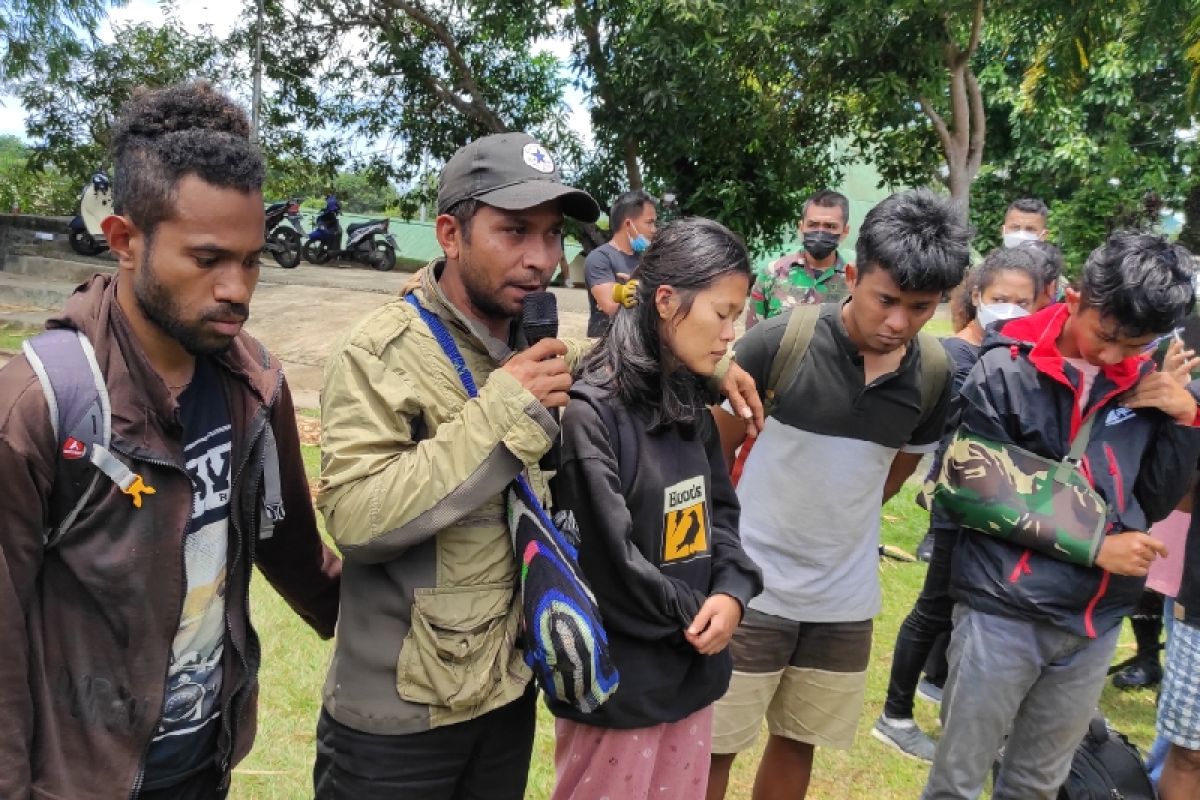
633, 222
856, 410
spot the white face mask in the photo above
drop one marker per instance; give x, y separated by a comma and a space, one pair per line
1018, 238
988, 313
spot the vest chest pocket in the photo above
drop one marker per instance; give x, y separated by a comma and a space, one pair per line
456, 652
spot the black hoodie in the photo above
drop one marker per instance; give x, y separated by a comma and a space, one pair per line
1023, 392
652, 554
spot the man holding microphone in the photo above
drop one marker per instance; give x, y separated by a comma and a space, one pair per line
428, 694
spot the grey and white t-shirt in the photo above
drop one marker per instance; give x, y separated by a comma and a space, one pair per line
812, 485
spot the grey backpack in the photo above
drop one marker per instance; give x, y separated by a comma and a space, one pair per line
81, 417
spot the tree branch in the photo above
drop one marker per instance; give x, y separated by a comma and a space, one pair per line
978, 125
480, 109
939, 125
960, 114
632, 170
976, 30
595, 51
595, 59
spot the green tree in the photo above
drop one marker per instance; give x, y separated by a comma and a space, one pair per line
418, 80
1099, 140
687, 95
33, 191
905, 71
699, 97
38, 35
69, 119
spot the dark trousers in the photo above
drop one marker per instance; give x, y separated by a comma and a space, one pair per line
486, 758
202, 786
928, 622
1147, 623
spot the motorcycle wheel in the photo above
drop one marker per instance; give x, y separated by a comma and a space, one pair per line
285, 246
83, 243
317, 251
383, 257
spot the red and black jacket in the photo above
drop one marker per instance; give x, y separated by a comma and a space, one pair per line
1024, 392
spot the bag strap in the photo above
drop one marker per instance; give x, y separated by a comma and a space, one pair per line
935, 371
1078, 448
450, 348
80, 416
785, 365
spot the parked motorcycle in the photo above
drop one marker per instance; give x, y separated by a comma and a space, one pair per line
367, 242
283, 240
95, 203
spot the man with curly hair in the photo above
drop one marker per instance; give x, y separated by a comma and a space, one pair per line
130, 665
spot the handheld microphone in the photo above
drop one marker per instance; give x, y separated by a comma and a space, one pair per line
539, 316
539, 320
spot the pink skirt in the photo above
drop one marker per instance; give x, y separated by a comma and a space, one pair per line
663, 761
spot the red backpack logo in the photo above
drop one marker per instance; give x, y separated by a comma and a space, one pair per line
73, 448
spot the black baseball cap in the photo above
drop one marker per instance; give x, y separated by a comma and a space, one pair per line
510, 171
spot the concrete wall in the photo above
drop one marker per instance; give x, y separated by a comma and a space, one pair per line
16, 229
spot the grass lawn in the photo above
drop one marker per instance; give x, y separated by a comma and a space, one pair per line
294, 662
11, 336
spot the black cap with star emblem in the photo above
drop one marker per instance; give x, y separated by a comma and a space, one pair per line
513, 172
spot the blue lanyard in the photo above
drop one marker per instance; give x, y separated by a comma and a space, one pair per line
449, 347
442, 334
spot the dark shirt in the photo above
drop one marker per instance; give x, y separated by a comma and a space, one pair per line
186, 739
964, 356
602, 266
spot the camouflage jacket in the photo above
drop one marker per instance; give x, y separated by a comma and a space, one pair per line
789, 282
1023, 392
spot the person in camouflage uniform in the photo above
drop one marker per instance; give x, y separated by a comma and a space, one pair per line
815, 274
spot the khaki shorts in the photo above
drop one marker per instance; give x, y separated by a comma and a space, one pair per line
807, 678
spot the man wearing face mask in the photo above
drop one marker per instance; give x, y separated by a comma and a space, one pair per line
815, 274
633, 220
1024, 221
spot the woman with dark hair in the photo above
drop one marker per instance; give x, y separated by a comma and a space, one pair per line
1006, 285
644, 490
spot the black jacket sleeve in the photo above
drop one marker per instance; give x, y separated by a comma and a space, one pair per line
1167, 469
635, 597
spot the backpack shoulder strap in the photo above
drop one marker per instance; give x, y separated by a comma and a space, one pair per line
935, 371
80, 415
785, 365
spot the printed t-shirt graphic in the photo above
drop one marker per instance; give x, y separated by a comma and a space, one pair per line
685, 521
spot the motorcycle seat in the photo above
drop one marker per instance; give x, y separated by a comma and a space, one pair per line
358, 225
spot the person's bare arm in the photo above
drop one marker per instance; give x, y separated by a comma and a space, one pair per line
603, 295
903, 466
732, 431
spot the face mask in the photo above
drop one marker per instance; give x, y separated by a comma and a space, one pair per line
820, 244
637, 242
1018, 238
988, 313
